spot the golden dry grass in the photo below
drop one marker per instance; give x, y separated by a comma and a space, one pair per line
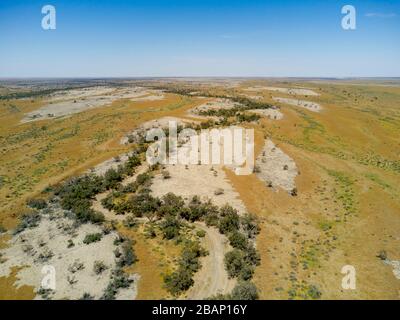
346, 211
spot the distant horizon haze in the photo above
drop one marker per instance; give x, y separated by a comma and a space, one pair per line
138, 39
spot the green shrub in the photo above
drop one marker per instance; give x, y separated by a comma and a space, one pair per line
238, 240
171, 205
178, 281
99, 267
118, 280
252, 257
189, 259
84, 213
245, 291
133, 161
76, 195
143, 203
38, 204
170, 227
212, 219
201, 233
92, 237
128, 256
112, 178
28, 221
229, 220
143, 179
198, 210
250, 225
234, 262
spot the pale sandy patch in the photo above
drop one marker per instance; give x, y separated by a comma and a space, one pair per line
202, 180
112, 163
73, 266
312, 106
215, 104
396, 267
161, 123
291, 91
253, 97
276, 168
273, 114
74, 101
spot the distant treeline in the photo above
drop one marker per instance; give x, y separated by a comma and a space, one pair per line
36, 93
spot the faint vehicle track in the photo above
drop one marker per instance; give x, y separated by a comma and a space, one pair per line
212, 278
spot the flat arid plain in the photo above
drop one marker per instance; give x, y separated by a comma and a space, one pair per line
318, 218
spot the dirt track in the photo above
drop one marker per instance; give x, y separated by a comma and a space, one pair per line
212, 278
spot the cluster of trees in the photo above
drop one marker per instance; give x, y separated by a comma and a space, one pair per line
247, 117
77, 194
30, 94
171, 210
242, 260
125, 256
139, 204
238, 112
182, 279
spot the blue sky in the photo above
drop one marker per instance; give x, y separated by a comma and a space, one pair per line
120, 38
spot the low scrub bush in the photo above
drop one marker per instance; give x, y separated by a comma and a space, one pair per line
92, 237
170, 227
38, 204
244, 291
118, 280
28, 221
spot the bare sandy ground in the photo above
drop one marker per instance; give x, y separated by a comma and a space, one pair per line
47, 245
273, 114
396, 267
215, 104
212, 278
161, 123
276, 168
113, 163
78, 100
291, 91
312, 106
254, 97
202, 180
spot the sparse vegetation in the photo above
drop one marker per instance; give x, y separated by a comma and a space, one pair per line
38, 204
93, 237
182, 279
99, 267
28, 220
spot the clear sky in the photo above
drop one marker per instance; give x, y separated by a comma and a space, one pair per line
121, 38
